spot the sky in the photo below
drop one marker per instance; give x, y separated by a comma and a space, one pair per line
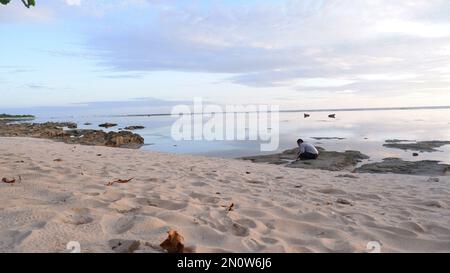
305, 54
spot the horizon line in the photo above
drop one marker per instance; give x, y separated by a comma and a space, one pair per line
307, 110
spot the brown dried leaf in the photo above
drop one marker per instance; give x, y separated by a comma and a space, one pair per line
174, 242
8, 181
120, 181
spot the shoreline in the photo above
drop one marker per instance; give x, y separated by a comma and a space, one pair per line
63, 196
350, 160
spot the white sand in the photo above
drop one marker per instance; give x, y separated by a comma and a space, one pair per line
277, 209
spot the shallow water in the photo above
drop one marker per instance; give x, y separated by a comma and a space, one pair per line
365, 131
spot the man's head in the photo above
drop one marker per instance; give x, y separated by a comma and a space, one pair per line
300, 141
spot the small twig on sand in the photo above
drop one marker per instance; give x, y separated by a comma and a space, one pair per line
230, 207
120, 181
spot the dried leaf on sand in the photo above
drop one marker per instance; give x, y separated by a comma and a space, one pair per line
120, 181
8, 181
174, 242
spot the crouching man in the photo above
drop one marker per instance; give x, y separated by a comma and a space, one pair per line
307, 151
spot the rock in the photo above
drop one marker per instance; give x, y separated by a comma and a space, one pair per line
399, 166
55, 131
121, 139
131, 128
107, 125
420, 146
398, 140
327, 160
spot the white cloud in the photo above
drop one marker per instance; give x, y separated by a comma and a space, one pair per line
363, 46
73, 2
419, 29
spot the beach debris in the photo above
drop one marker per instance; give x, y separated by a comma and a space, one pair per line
247, 172
298, 186
306, 115
230, 207
8, 181
174, 242
332, 116
415, 154
120, 181
344, 202
87, 123
57, 160
99, 154
107, 125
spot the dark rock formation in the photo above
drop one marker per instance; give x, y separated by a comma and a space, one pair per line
420, 146
396, 165
107, 125
131, 128
328, 160
56, 131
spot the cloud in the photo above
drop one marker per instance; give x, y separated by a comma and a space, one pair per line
308, 45
298, 44
73, 2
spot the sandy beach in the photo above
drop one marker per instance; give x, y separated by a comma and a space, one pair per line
61, 195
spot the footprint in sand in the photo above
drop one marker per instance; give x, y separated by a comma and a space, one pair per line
111, 196
199, 184
163, 204
331, 191
117, 224
125, 205
124, 246
75, 216
207, 199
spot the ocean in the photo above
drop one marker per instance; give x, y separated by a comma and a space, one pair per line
364, 130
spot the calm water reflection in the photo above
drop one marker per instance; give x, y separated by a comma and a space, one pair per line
365, 131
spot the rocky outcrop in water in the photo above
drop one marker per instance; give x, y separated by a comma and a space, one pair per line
399, 166
107, 125
328, 160
132, 128
419, 146
59, 131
